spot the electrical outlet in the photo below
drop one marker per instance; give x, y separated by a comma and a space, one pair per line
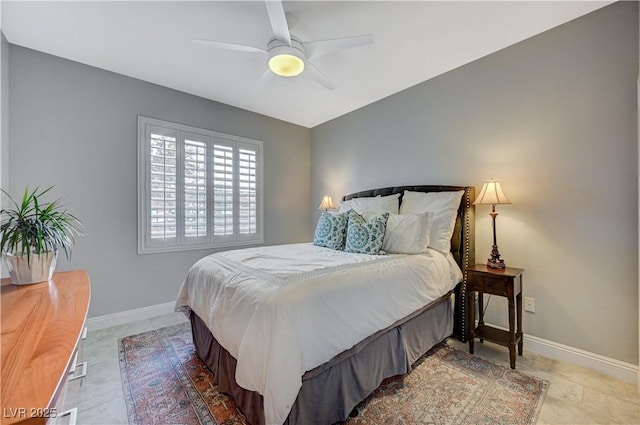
530, 304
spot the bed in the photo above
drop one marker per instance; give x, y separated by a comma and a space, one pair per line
319, 377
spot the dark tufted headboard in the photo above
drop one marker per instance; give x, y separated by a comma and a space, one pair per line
462, 241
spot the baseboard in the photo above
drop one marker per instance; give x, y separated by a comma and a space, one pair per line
116, 319
607, 366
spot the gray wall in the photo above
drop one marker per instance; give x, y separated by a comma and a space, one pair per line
4, 115
76, 126
554, 117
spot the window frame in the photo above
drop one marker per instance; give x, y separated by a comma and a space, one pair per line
147, 245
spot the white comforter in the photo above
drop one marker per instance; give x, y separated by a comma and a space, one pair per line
283, 310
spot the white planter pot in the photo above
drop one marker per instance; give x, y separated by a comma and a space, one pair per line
38, 269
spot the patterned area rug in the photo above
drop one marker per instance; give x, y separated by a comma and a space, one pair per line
165, 382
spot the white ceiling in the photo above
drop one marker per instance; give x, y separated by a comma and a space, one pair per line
413, 42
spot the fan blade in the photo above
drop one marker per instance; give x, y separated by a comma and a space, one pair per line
318, 48
278, 20
319, 76
228, 46
264, 79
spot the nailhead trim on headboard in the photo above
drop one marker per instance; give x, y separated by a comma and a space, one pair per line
469, 252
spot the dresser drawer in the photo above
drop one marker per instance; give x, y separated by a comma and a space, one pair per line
490, 284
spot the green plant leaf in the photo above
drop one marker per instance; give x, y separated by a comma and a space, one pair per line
35, 227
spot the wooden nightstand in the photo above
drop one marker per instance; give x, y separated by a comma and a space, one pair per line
505, 282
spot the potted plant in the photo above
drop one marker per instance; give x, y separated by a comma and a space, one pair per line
32, 233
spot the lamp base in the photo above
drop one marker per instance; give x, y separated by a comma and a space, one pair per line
495, 261
496, 264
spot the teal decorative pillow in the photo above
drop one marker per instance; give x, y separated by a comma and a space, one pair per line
331, 230
366, 236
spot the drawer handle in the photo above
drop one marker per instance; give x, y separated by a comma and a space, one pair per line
84, 333
72, 413
74, 364
82, 374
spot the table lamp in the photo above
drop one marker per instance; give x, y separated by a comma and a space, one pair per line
326, 204
492, 194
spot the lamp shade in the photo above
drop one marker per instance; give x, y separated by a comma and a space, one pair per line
491, 194
326, 204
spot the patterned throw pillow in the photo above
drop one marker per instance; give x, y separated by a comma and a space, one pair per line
366, 236
331, 230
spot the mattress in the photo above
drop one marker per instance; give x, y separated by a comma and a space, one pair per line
284, 310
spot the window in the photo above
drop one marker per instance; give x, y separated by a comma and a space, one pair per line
196, 188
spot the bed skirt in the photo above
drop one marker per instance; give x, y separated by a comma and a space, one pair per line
331, 391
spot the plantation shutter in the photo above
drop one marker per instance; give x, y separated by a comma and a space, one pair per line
196, 188
195, 193
162, 185
223, 191
248, 192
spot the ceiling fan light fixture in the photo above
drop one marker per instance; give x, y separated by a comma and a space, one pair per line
286, 65
285, 60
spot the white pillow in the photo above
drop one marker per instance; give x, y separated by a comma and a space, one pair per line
444, 206
372, 204
407, 234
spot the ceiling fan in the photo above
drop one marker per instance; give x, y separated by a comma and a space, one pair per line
287, 55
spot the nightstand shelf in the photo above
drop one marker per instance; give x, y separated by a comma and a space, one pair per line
507, 283
499, 336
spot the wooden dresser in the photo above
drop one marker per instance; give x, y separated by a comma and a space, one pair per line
41, 329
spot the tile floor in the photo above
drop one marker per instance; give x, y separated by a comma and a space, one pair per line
575, 396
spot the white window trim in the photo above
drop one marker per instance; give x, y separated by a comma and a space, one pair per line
144, 247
